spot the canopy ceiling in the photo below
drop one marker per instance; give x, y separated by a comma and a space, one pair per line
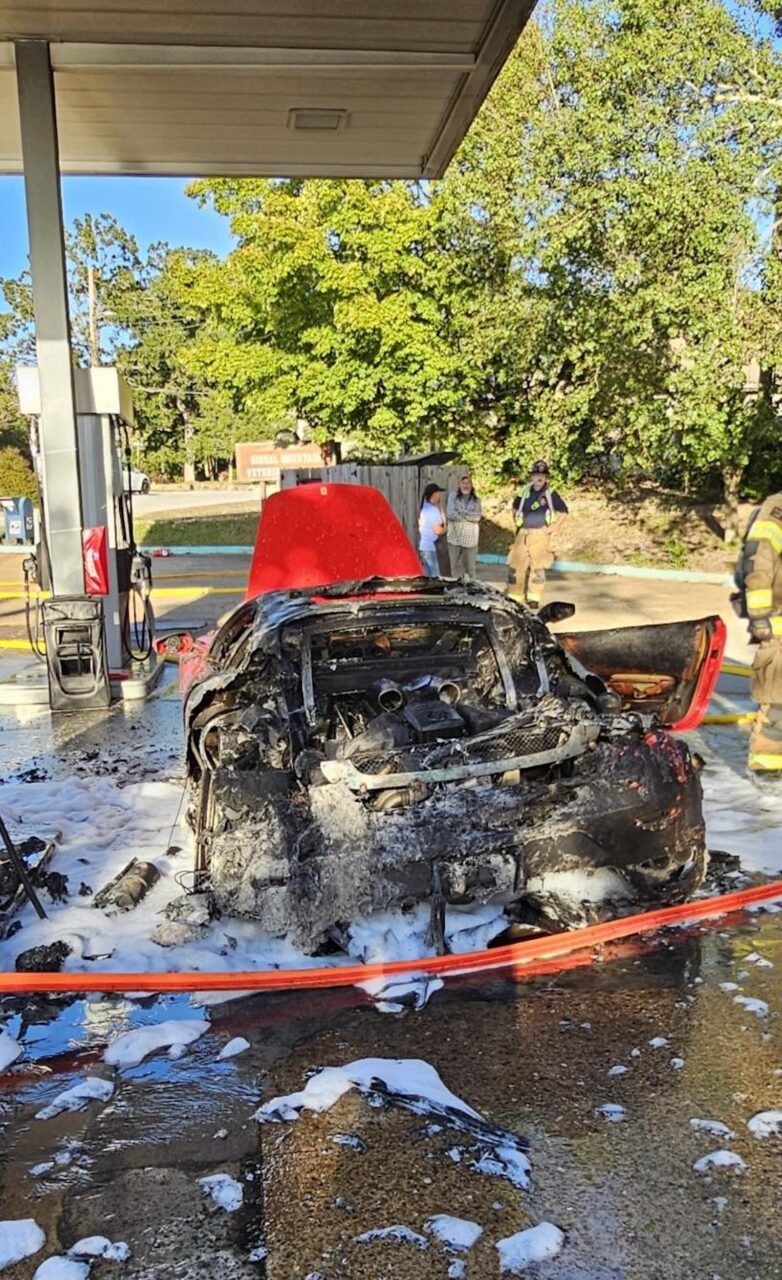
350, 88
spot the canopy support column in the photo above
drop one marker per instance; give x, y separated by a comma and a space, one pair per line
62, 507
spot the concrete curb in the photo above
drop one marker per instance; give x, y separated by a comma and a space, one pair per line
626, 571
559, 566
151, 548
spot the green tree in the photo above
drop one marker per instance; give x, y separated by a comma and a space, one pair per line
102, 260
333, 307
185, 419
14, 429
16, 474
616, 187
138, 311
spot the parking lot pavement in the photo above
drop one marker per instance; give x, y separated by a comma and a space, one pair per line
693, 1017
194, 591
603, 600
613, 1155
190, 592
212, 501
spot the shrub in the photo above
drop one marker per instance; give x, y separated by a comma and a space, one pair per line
16, 475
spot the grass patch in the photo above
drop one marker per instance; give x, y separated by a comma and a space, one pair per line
494, 539
198, 531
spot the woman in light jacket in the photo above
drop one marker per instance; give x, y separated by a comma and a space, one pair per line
464, 520
431, 524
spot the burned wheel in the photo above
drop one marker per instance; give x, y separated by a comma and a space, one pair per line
665, 881
246, 833
204, 823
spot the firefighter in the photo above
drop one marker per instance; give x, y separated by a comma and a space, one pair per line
537, 511
761, 570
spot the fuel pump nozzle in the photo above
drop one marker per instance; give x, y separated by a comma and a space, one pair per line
141, 574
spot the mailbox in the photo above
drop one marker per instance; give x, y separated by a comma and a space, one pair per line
18, 520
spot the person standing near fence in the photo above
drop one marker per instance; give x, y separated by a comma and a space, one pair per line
463, 510
431, 524
537, 511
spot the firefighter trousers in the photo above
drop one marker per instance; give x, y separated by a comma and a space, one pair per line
765, 744
529, 558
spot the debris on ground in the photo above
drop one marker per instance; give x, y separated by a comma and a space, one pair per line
226, 1192
92, 1089
19, 1238
536, 1244
131, 1048
128, 888
174, 933
191, 909
722, 1159
766, 1124
43, 959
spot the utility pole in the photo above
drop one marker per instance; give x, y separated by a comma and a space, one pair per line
93, 322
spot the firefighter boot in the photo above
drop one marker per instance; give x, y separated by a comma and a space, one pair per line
515, 589
537, 582
765, 744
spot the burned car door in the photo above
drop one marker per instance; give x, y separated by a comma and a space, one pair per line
667, 669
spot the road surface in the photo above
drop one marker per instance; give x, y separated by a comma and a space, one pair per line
210, 501
693, 1019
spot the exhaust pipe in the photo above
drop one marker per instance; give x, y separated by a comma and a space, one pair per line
447, 691
400, 797
389, 695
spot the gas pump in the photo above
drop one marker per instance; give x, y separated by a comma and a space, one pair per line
106, 636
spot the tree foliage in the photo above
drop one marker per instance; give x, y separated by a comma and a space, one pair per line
597, 279
14, 430
627, 202
333, 305
16, 475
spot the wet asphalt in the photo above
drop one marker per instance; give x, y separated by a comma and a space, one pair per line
532, 1057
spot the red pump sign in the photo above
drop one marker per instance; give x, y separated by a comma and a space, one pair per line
96, 567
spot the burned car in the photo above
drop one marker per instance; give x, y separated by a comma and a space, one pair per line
362, 738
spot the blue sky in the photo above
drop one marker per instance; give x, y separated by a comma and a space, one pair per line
150, 208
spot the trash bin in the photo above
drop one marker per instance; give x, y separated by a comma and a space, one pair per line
18, 520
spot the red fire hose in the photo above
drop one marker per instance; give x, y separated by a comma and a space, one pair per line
516, 957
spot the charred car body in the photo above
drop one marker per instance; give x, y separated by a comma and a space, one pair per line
389, 741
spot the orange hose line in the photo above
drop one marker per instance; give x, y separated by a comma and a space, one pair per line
515, 957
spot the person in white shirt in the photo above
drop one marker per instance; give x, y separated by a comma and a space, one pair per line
431, 524
463, 511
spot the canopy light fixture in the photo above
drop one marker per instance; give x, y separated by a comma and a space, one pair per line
317, 118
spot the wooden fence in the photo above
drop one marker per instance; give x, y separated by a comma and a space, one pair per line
401, 486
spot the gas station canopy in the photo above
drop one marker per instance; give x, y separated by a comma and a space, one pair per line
350, 88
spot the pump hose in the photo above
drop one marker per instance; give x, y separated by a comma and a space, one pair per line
515, 957
143, 627
28, 607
